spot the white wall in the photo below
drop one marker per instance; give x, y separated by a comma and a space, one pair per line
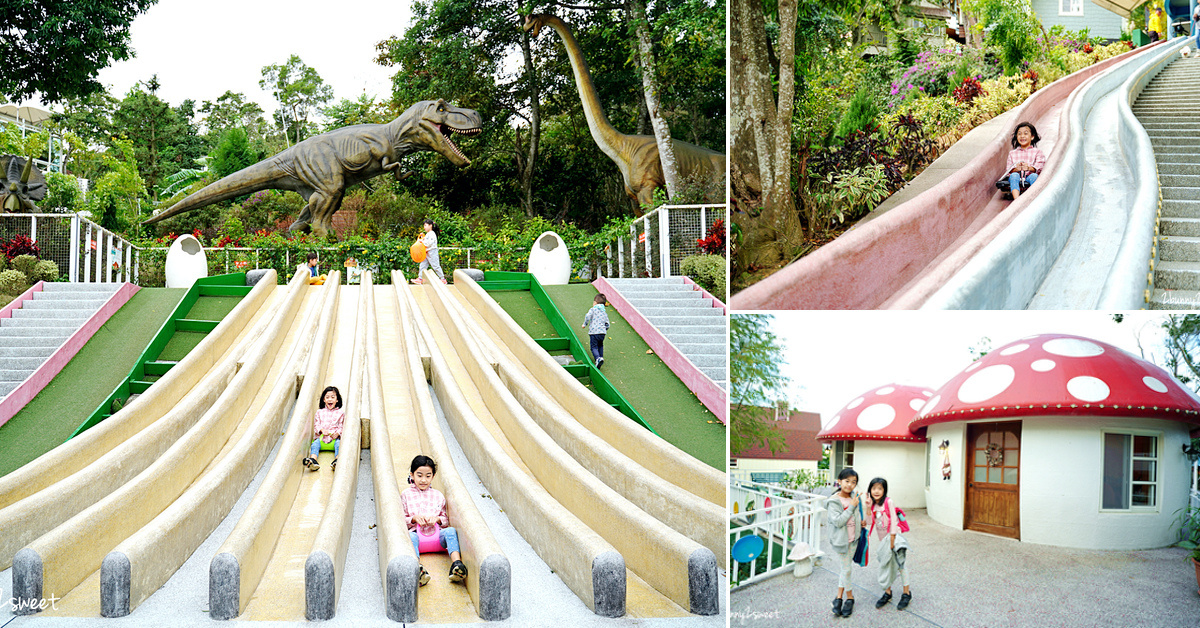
1061, 475
902, 464
944, 498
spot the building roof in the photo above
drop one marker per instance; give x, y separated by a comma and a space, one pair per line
1059, 374
799, 434
881, 413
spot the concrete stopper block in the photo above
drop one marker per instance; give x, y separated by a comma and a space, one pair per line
703, 593
255, 276
319, 590
608, 584
224, 586
474, 273
115, 577
27, 582
403, 579
495, 588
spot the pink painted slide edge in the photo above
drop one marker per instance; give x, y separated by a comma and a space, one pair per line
28, 389
6, 311
714, 300
711, 395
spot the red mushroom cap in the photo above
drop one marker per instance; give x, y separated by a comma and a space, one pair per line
881, 413
1059, 374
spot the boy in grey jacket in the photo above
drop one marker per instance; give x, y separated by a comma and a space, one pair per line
596, 321
844, 524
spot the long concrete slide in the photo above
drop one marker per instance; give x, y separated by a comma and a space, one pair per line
612, 532
71, 539
1089, 239
408, 426
902, 258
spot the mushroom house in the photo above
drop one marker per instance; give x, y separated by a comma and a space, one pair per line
871, 435
1060, 440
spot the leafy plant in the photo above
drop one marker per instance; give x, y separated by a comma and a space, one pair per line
850, 193
913, 147
969, 90
861, 113
800, 479
708, 271
714, 242
19, 245
1189, 528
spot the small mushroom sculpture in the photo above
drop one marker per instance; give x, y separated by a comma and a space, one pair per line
24, 185
882, 413
1059, 374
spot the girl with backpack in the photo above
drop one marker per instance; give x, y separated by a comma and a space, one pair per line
890, 522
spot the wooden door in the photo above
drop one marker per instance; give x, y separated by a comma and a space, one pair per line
993, 479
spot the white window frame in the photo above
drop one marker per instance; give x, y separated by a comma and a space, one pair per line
782, 411
1158, 470
1076, 8
838, 458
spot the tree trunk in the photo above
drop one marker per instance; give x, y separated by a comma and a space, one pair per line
662, 134
535, 128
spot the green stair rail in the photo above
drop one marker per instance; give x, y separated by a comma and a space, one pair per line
148, 368
507, 281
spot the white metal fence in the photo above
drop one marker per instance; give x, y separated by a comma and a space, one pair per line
781, 517
84, 251
660, 240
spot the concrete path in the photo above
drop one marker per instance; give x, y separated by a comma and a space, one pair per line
967, 580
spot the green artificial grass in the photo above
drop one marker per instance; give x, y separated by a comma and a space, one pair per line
99, 367
180, 344
212, 308
641, 377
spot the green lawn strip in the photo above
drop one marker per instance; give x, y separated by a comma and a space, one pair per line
180, 344
99, 367
212, 308
524, 309
645, 381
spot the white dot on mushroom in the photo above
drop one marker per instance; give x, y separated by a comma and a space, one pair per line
1042, 366
854, 404
876, 417
1154, 384
1087, 388
886, 390
1072, 348
987, 383
916, 404
1014, 349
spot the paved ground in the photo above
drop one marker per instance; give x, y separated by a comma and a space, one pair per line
969, 580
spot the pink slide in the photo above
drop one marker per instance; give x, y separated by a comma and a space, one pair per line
899, 259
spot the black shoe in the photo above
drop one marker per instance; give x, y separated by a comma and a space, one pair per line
837, 606
424, 579
847, 607
599, 362
887, 597
311, 464
905, 598
458, 571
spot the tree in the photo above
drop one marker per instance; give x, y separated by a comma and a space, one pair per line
1183, 348
662, 133
56, 47
350, 112
755, 381
153, 129
89, 117
231, 110
298, 88
232, 153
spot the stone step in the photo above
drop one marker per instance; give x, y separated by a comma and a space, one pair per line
1189, 227
11, 375
1181, 110
49, 332
1174, 140
624, 281
26, 352
643, 303
62, 304
716, 374
663, 322
1179, 249
1180, 209
80, 315
39, 322
1181, 194
652, 312
27, 341
1174, 180
12, 364
7, 387
692, 348
1159, 128
706, 360
1175, 300
1179, 168
64, 286
1177, 275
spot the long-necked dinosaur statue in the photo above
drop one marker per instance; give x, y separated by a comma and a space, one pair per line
321, 167
635, 155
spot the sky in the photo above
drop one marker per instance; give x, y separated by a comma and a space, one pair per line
201, 49
833, 357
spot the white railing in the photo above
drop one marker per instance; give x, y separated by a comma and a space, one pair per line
240, 265
660, 240
792, 517
1196, 483
84, 251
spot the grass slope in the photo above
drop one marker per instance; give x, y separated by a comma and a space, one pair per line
641, 377
99, 367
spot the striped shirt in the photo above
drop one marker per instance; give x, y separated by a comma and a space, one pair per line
1032, 155
426, 503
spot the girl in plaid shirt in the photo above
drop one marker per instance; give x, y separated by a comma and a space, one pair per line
1025, 160
327, 426
425, 508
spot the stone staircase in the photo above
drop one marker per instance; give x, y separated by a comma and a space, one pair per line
40, 326
1167, 110
685, 317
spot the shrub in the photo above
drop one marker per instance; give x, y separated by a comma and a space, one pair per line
860, 115
968, 91
25, 264
19, 245
708, 271
44, 270
13, 283
714, 242
62, 192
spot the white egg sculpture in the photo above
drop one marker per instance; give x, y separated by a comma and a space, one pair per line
549, 260
186, 262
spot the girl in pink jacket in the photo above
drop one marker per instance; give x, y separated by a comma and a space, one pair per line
327, 426
894, 550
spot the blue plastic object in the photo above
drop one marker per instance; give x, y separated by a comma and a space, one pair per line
748, 548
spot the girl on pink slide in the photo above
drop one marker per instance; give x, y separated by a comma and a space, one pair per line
1025, 160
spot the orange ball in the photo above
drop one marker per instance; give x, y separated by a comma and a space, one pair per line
417, 250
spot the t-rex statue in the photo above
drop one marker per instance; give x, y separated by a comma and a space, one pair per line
635, 155
321, 167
